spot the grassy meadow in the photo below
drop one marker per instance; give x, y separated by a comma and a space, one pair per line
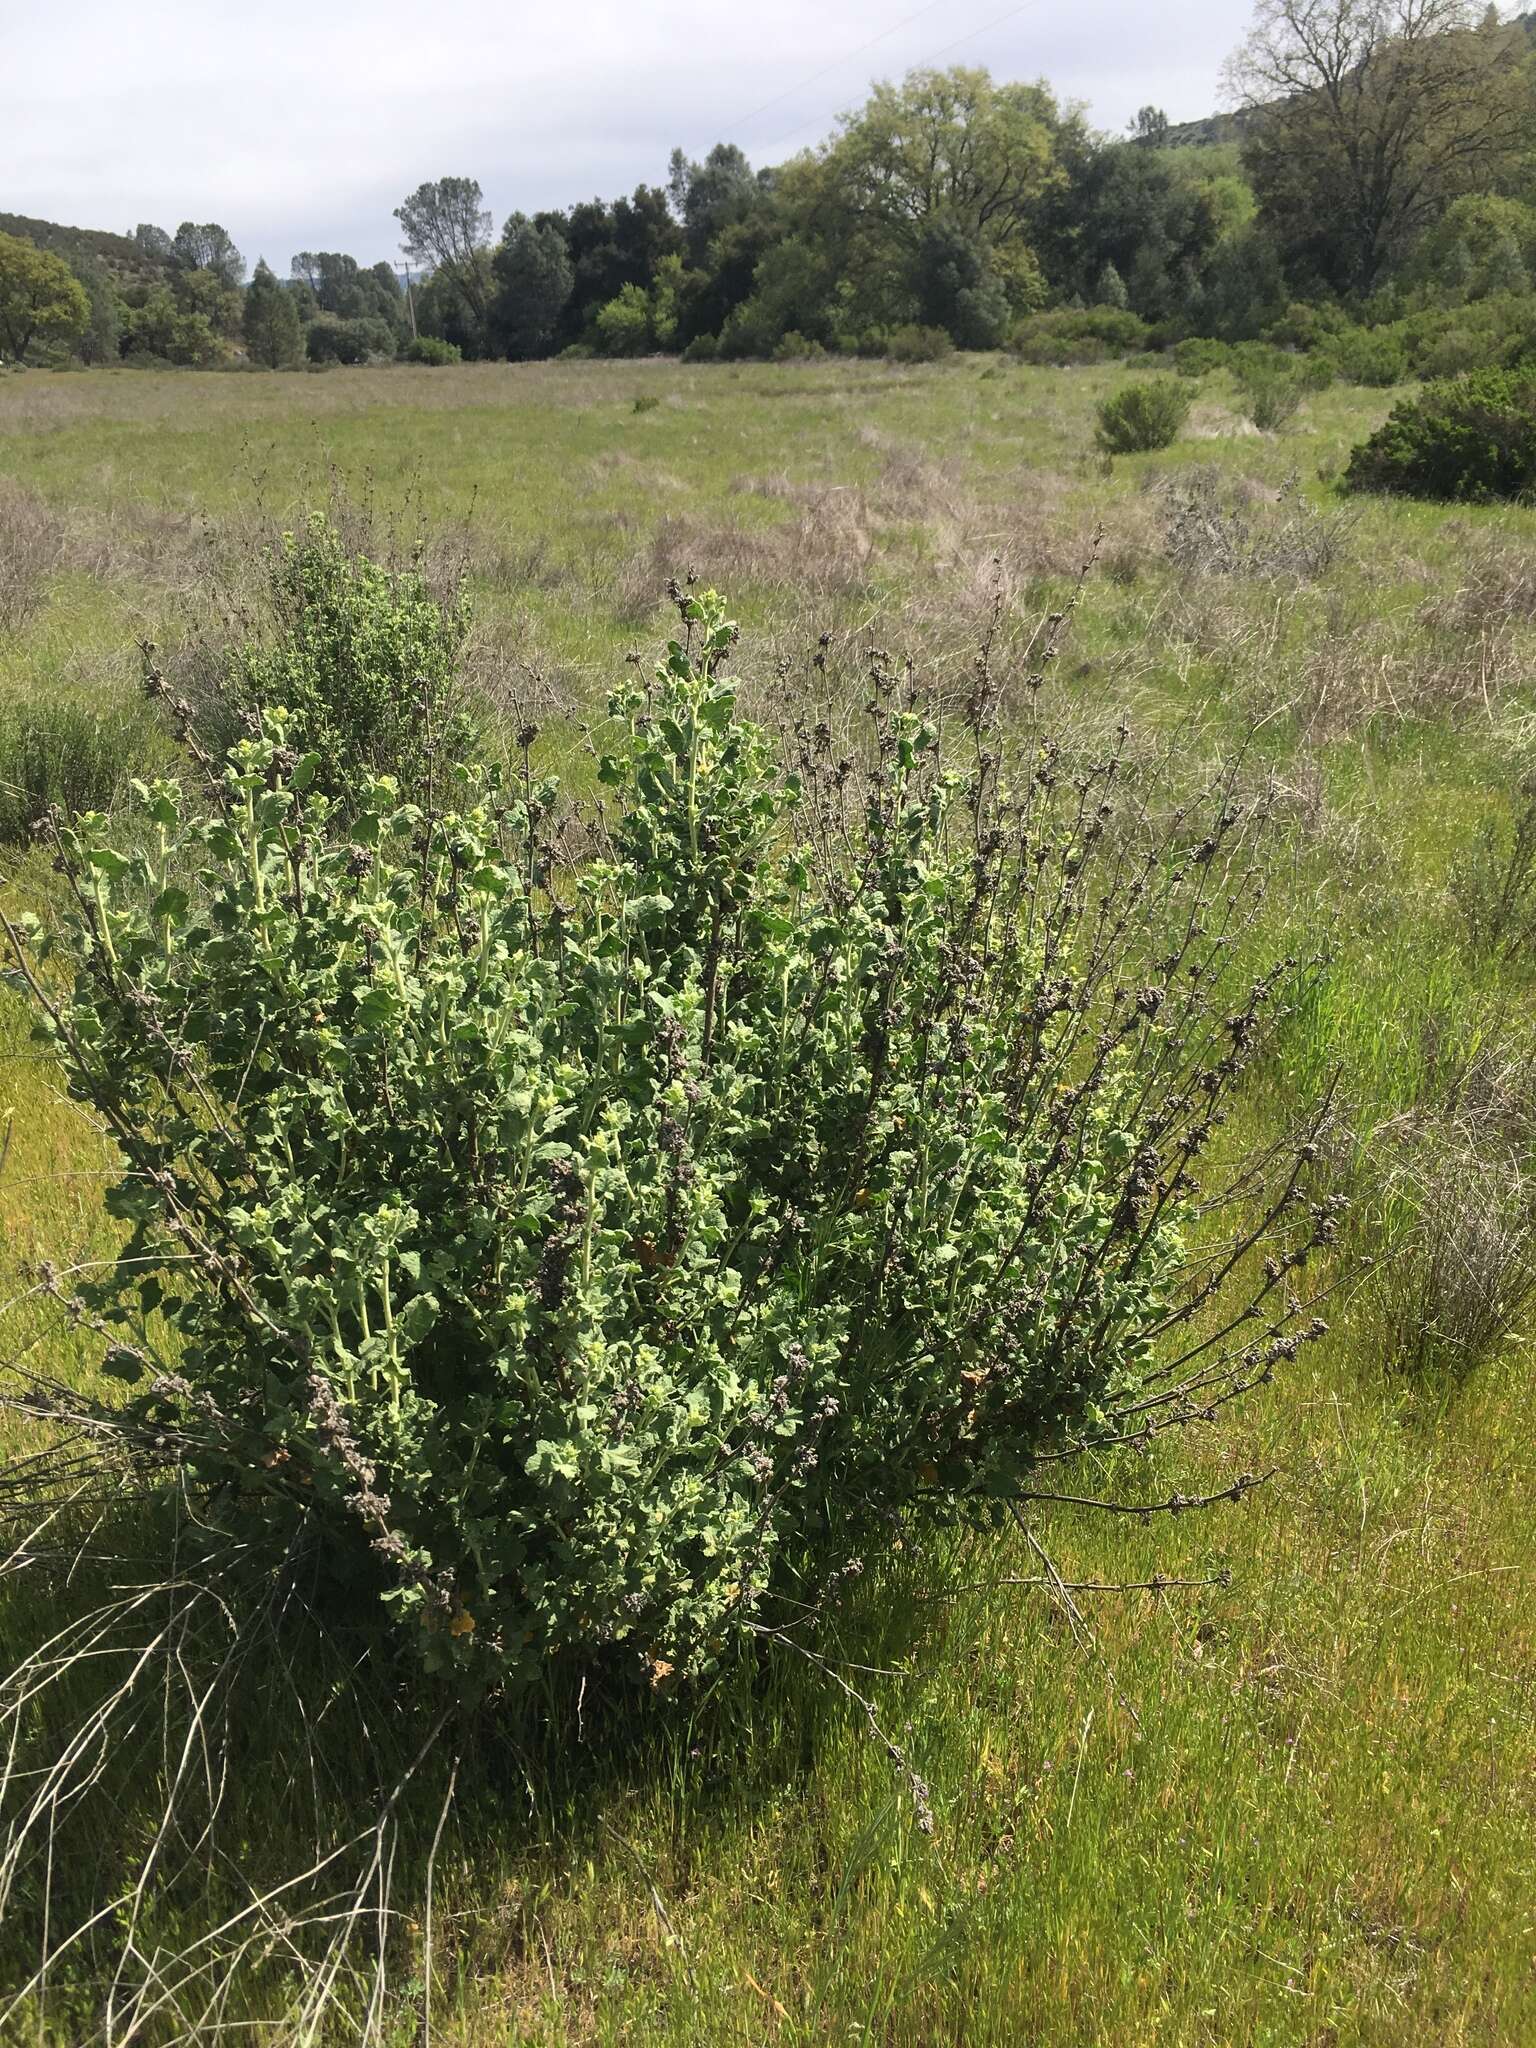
1291, 1803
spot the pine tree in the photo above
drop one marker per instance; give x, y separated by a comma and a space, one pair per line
1110, 289
271, 322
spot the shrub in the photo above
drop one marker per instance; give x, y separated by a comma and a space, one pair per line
795, 348
1142, 416
362, 657
623, 326
603, 1263
430, 349
1270, 398
1095, 334
1471, 438
704, 348
1199, 355
1372, 357
327, 340
910, 343
646, 402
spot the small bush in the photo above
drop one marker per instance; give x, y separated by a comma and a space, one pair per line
431, 350
794, 347
1199, 355
704, 348
646, 402
1374, 358
601, 1264
1094, 334
327, 340
1143, 416
1467, 438
914, 344
363, 659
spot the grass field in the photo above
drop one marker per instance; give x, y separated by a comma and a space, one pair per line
1295, 1808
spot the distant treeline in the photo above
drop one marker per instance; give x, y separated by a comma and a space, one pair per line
1380, 174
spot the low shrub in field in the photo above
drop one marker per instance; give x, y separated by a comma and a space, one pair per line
604, 1260
362, 657
329, 340
1143, 416
1471, 438
1270, 396
913, 344
429, 349
1372, 357
704, 348
1199, 355
1093, 334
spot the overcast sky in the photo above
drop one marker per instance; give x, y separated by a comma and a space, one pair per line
299, 124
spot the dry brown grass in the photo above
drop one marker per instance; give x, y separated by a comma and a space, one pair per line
31, 551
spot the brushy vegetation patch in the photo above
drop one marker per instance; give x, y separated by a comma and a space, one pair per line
1469, 438
1144, 416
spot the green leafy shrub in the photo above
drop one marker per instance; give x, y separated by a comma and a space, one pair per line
604, 1262
793, 347
328, 340
910, 343
1142, 416
1470, 438
362, 657
1372, 357
1093, 334
433, 351
646, 402
704, 348
1199, 355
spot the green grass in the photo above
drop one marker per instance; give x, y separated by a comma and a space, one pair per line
1297, 1809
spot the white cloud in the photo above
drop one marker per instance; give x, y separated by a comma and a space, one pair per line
301, 125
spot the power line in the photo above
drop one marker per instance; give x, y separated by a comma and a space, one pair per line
836, 64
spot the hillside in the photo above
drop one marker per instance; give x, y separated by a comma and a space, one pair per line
119, 255
1214, 129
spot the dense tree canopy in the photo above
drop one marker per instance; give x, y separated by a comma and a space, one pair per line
1382, 169
42, 304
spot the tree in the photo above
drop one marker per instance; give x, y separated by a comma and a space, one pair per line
710, 196
42, 304
1372, 115
206, 246
271, 322
100, 338
446, 224
1110, 289
954, 288
947, 145
1150, 127
533, 277
154, 243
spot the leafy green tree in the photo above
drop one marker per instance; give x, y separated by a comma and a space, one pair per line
43, 306
1110, 289
206, 246
711, 196
205, 293
953, 288
533, 274
101, 337
271, 322
155, 245
157, 326
1370, 117
445, 223
623, 326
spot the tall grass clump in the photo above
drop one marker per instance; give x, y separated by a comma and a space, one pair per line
1144, 416
68, 753
586, 1258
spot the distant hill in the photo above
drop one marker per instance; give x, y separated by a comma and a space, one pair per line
119, 255
1221, 128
